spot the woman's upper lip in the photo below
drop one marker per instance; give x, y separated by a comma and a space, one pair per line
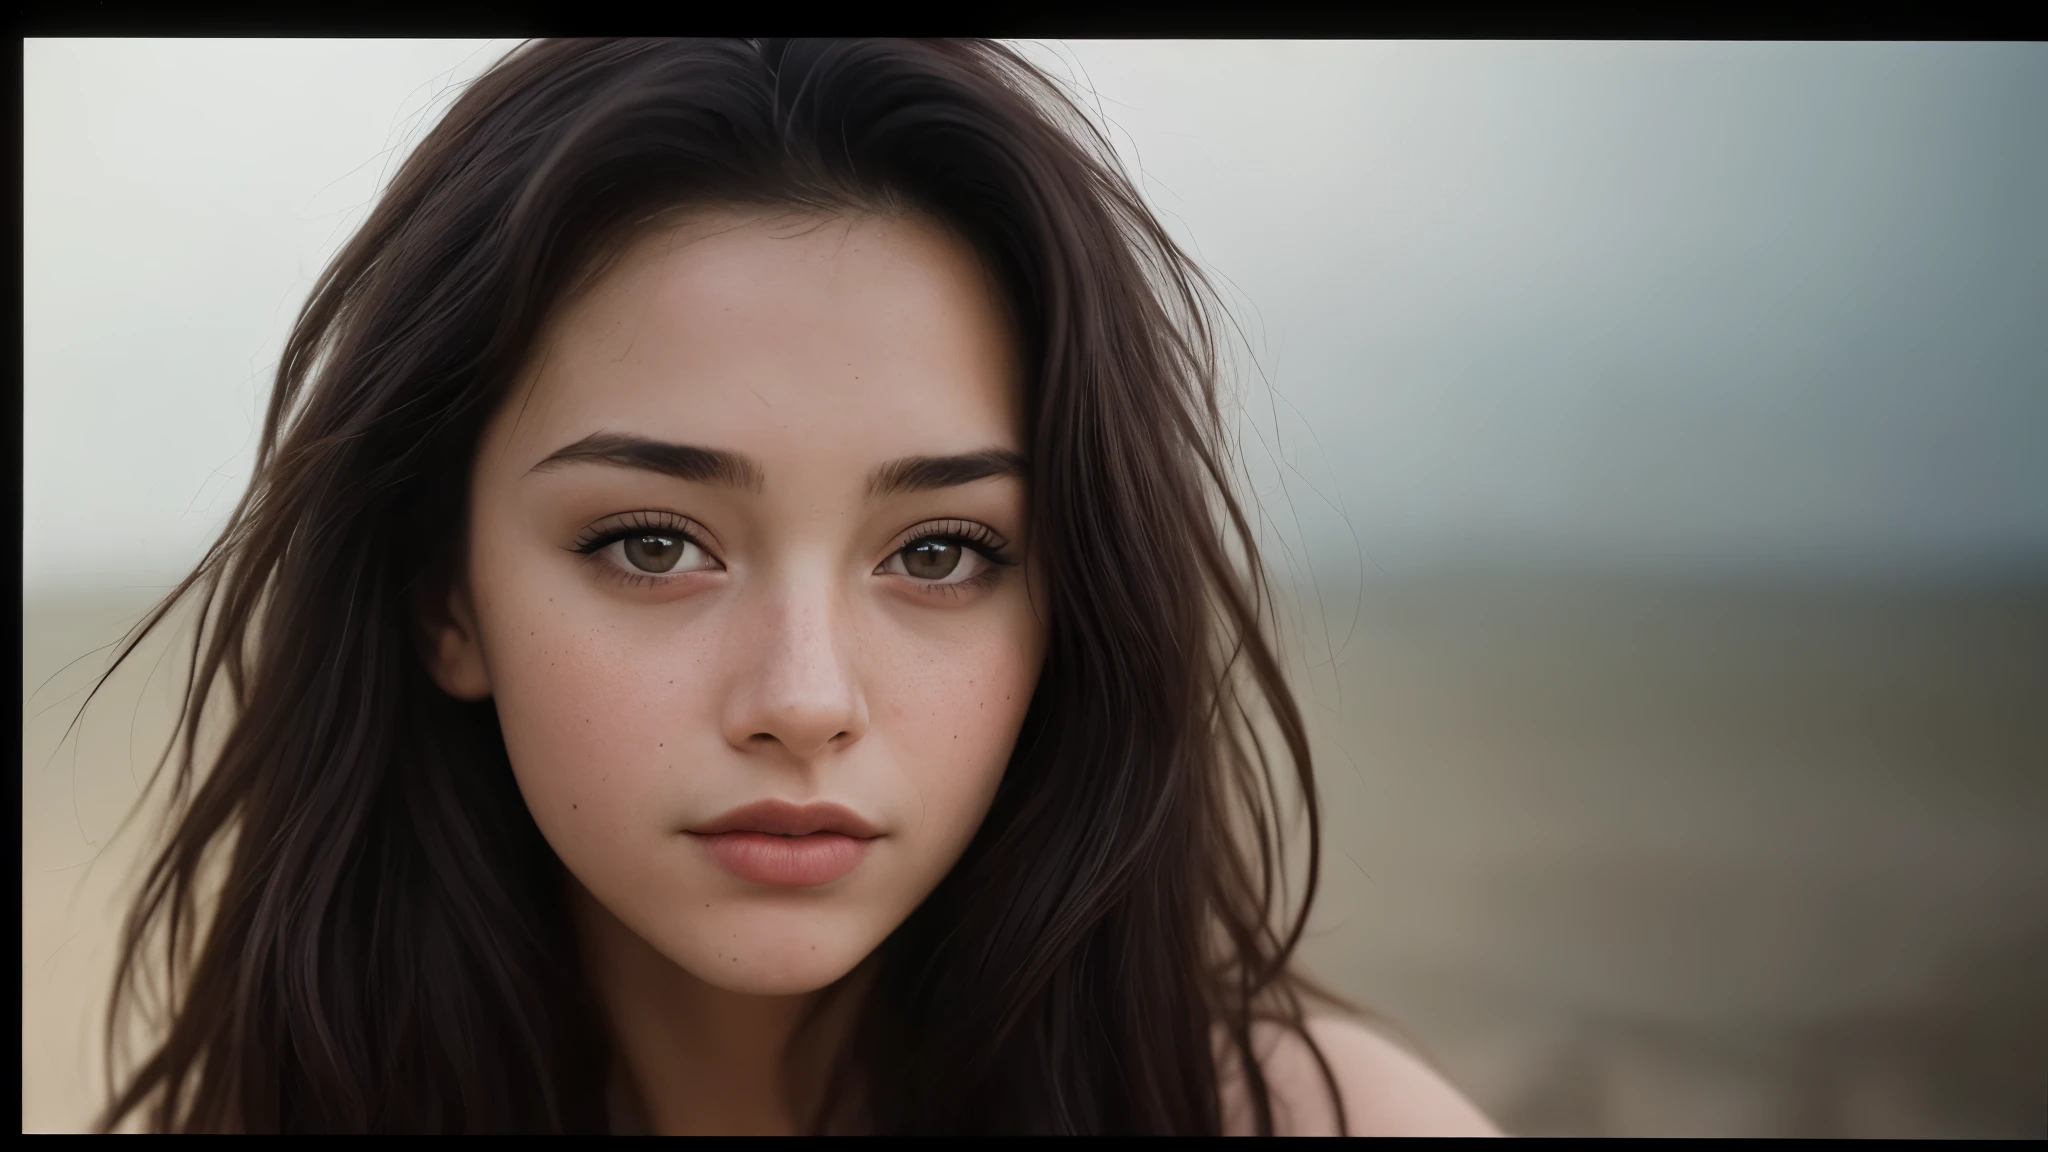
782, 818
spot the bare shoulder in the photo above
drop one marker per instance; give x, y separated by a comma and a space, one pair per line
1386, 1091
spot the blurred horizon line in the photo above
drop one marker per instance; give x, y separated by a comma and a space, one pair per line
2027, 571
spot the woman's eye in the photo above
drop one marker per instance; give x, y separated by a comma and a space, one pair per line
931, 559
653, 553
935, 560
660, 552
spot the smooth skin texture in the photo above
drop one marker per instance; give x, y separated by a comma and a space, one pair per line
811, 428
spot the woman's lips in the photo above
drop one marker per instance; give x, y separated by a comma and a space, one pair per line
787, 845
786, 861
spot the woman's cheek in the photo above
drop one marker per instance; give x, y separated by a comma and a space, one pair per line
589, 723
957, 717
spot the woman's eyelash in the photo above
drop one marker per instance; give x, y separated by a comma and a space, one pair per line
613, 529
979, 537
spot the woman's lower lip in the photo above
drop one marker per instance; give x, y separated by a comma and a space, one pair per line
785, 861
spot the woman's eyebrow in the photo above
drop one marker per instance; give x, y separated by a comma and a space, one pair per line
683, 461
924, 473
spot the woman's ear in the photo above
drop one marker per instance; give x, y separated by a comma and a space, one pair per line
454, 653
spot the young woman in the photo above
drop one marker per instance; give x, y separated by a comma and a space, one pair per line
741, 625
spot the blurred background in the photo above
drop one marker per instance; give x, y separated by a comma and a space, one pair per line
1652, 443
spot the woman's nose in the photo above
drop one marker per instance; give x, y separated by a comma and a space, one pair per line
800, 694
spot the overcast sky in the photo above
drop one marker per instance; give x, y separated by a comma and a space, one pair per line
1581, 306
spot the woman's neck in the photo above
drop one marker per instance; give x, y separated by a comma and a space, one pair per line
693, 1058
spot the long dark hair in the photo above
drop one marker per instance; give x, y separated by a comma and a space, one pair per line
360, 926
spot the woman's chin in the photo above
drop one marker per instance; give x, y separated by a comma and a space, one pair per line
778, 954
774, 970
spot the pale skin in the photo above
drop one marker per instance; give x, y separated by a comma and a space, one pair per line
823, 596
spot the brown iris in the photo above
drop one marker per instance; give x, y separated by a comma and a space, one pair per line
931, 559
653, 553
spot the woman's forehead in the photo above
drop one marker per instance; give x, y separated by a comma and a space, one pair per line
846, 338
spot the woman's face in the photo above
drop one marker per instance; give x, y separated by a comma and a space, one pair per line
746, 578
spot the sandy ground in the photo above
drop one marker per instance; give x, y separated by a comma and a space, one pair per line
1629, 859
1700, 860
